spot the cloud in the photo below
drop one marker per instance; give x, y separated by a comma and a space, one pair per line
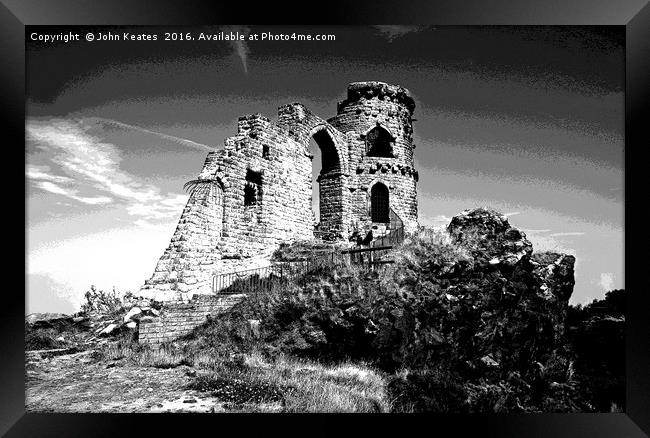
82, 161
514, 213
43, 173
50, 183
240, 47
607, 281
526, 230
53, 188
391, 32
575, 233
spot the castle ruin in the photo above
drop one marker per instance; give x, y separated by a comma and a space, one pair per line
256, 192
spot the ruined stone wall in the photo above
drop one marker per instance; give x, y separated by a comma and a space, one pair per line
255, 193
178, 318
334, 194
193, 251
217, 232
283, 212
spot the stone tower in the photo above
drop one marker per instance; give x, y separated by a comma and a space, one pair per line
255, 193
377, 119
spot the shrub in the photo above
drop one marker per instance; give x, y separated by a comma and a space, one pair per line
42, 339
100, 302
427, 390
597, 336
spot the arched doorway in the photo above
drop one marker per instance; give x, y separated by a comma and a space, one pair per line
327, 185
379, 204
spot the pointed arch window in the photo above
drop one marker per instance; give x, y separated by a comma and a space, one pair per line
379, 204
379, 143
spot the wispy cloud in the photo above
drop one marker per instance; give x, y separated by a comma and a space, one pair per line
79, 161
48, 182
42, 173
573, 233
53, 188
391, 32
240, 47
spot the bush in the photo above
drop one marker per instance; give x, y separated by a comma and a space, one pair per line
103, 303
427, 390
42, 339
597, 335
54, 335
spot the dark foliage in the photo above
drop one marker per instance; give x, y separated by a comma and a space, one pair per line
42, 339
597, 334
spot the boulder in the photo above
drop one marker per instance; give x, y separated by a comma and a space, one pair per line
489, 361
108, 329
489, 237
554, 272
132, 314
555, 275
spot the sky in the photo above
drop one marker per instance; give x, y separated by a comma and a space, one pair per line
527, 120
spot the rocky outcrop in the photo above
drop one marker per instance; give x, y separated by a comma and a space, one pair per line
489, 237
555, 274
475, 297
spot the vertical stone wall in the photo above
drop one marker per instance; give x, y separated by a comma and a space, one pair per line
178, 318
193, 250
334, 194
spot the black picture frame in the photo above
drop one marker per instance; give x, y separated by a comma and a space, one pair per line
633, 14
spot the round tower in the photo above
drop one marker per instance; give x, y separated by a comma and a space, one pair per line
377, 119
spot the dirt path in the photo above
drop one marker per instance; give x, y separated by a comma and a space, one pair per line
77, 383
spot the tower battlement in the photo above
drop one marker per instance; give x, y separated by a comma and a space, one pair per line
380, 90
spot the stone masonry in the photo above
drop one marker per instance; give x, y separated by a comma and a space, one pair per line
178, 318
255, 193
